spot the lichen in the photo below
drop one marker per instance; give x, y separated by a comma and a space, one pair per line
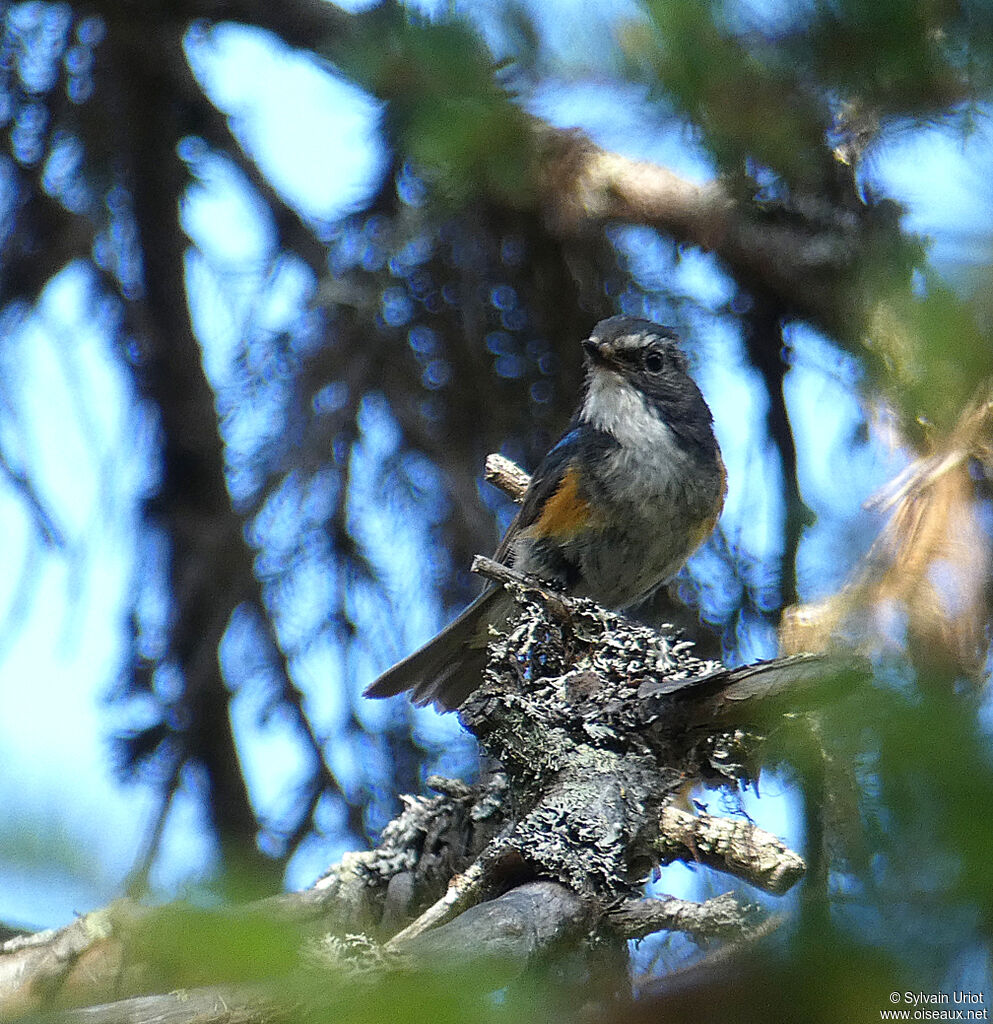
590, 762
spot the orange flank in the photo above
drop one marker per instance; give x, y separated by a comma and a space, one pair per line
706, 528
565, 513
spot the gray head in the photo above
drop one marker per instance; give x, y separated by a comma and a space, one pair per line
634, 363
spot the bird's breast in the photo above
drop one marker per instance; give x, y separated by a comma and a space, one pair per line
658, 502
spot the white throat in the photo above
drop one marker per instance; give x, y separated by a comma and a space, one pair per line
615, 406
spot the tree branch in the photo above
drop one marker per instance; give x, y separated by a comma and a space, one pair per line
721, 917
507, 475
763, 327
45, 523
210, 565
509, 931
802, 256
598, 724
730, 845
227, 1005
802, 259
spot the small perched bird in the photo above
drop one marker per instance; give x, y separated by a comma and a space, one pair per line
612, 512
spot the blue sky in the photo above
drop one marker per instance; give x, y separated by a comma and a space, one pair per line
61, 645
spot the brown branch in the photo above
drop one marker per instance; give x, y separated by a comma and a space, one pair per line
803, 264
763, 330
210, 566
556, 603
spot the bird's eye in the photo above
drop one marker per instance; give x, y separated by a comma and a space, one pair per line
654, 363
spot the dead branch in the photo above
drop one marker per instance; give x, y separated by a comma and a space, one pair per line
506, 934
931, 561
418, 852
204, 1006
507, 475
511, 930
721, 917
729, 845
800, 262
598, 724
464, 892
554, 602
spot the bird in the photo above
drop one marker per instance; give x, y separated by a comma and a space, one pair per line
613, 511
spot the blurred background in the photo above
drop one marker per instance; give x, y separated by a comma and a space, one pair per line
275, 278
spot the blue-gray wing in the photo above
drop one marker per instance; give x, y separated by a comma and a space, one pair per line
577, 446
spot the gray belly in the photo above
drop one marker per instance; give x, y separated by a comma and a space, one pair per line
624, 567
642, 541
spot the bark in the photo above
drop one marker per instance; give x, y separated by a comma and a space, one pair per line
549, 853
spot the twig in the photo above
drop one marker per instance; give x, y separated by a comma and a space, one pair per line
464, 891
507, 475
764, 342
500, 573
556, 604
45, 523
202, 1006
726, 953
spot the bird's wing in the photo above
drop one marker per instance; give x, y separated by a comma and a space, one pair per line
545, 481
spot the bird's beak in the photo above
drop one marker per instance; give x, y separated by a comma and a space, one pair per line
600, 353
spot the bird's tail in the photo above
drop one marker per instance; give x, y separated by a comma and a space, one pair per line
449, 667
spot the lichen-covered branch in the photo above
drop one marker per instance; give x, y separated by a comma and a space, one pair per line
373, 891
505, 935
737, 847
598, 725
720, 917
